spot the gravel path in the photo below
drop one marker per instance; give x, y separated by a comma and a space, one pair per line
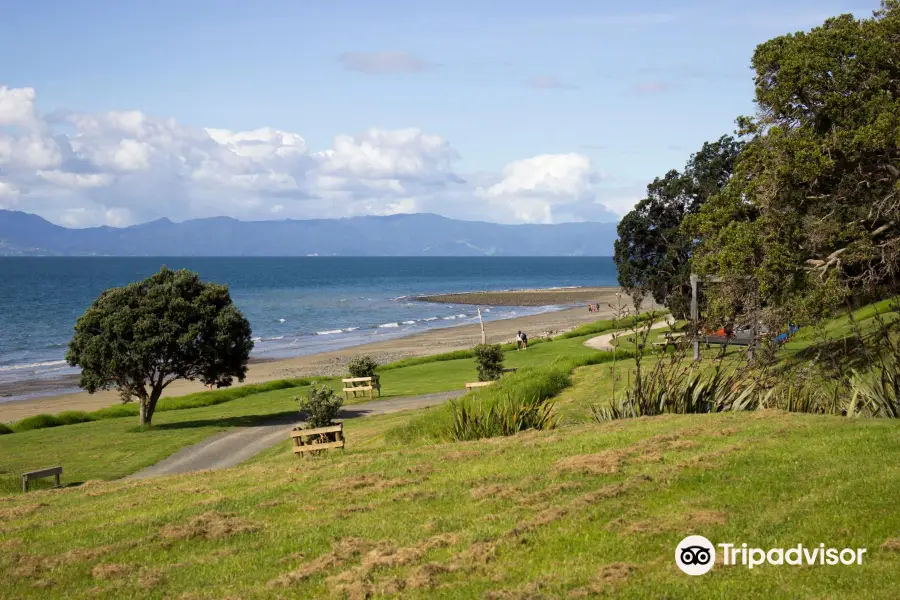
232, 447
603, 342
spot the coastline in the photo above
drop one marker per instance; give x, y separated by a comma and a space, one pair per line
333, 362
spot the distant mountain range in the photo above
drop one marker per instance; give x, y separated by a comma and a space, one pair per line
24, 234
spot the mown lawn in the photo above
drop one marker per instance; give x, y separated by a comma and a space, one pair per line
113, 448
582, 511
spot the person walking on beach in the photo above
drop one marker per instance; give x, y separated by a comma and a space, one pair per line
519, 341
524, 341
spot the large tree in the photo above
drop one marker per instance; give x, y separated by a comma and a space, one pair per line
813, 212
141, 337
653, 250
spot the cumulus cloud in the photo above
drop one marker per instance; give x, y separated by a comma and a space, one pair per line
125, 167
533, 187
383, 63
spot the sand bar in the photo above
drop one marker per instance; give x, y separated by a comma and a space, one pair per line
333, 363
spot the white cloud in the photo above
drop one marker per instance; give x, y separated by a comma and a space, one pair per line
383, 63
9, 195
17, 106
125, 167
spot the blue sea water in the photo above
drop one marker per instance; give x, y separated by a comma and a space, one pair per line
295, 305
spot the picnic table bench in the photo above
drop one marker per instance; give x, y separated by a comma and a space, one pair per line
362, 384
479, 384
320, 438
41, 473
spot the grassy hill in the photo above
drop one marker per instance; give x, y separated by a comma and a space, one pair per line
584, 510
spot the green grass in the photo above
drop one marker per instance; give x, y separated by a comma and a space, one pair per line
589, 510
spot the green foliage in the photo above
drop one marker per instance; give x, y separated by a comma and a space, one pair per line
607, 325
4, 429
142, 337
488, 361
533, 384
475, 421
362, 366
320, 406
37, 422
811, 213
653, 251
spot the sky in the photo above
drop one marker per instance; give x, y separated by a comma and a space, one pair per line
510, 111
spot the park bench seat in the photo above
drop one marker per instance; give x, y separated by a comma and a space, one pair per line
362, 385
302, 444
39, 474
479, 384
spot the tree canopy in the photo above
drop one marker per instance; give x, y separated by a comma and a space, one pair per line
802, 210
653, 250
141, 337
812, 211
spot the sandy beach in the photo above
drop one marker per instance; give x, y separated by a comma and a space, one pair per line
333, 363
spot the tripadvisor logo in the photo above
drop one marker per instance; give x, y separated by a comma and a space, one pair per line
696, 555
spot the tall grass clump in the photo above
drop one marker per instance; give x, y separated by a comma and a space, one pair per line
529, 385
4, 429
475, 421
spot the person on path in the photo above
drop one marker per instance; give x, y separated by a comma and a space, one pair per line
524, 341
519, 341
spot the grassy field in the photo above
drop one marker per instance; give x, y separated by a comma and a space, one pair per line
581, 511
584, 510
115, 447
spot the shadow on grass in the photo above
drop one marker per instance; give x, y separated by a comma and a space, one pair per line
274, 419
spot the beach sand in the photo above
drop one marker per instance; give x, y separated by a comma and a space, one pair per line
333, 363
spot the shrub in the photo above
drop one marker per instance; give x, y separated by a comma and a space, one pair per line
4, 429
475, 421
362, 366
489, 361
37, 422
70, 417
321, 405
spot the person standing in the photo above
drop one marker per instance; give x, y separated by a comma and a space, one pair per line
519, 341
524, 341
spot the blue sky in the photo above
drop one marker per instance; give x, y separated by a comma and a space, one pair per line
634, 89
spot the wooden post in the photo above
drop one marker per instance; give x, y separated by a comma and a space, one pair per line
695, 316
480, 320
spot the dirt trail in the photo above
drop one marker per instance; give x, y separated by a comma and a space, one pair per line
603, 342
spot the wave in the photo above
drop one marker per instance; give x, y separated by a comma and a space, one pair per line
330, 332
409, 322
349, 329
49, 363
389, 325
430, 319
271, 339
281, 320
462, 316
450, 318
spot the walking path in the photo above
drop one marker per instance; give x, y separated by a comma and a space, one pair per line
604, 342
232, 447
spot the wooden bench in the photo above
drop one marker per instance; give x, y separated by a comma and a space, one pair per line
362, 384
302, 443
39, 474
479, 384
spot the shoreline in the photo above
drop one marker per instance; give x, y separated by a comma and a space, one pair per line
433, 341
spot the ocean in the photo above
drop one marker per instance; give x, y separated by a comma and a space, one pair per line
295, 305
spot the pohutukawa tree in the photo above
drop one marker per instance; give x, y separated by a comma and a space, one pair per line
140, 338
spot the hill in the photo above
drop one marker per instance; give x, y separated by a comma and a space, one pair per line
23, 234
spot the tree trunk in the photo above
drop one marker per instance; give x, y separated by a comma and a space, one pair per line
148, 406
